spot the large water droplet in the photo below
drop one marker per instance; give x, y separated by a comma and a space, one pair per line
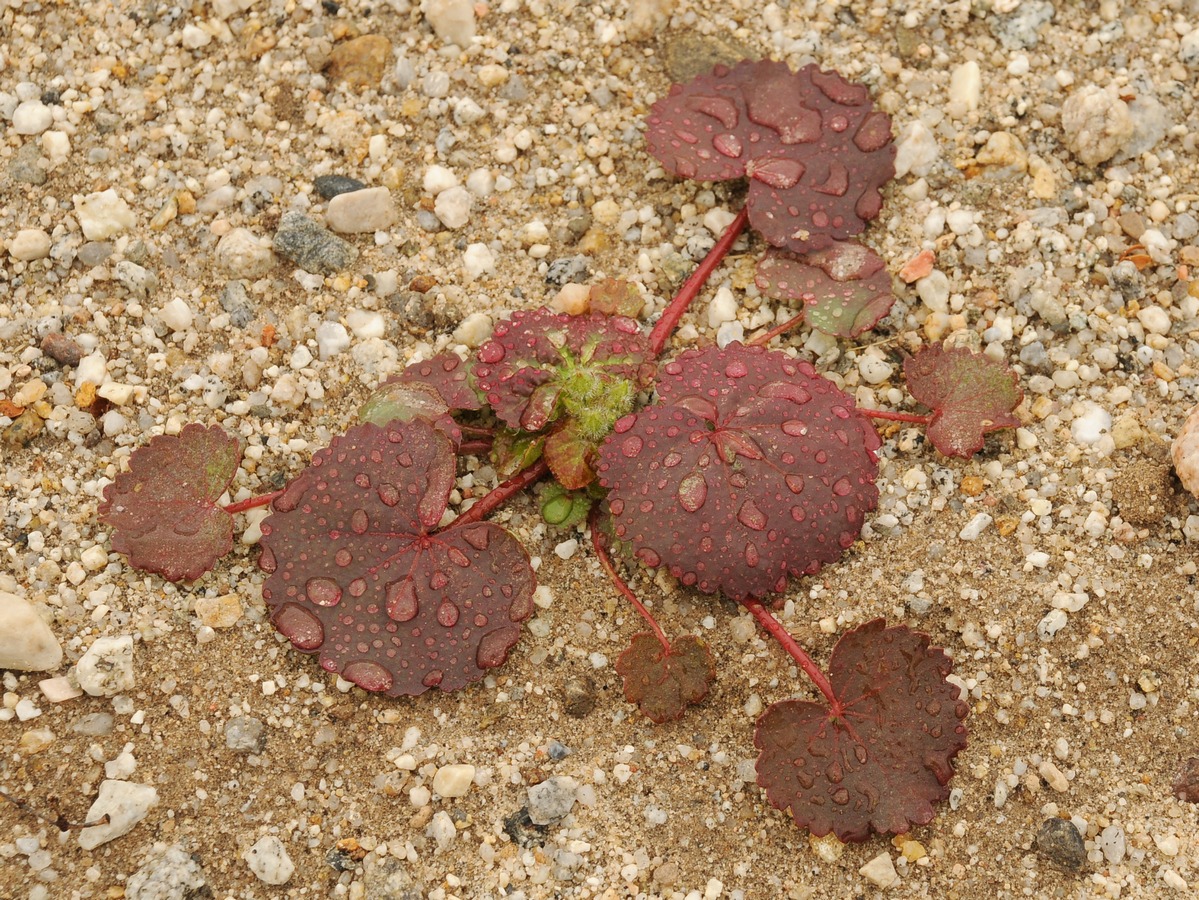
842, 487
357, 587
780, 174
447, 614
795, 483
751, 517
266, 560
786, 390
752, 556
299, 625
359, 521
728, 145
369, 676
860, 753
389, 494
323, 591
841, 797
720, 108
478, 537
805, 780
362, 480
494, 646
736, 368
438, 580
433, 678
401, 601
458, 558
343, 557
693, 491
649, 557
624, 423
631, 446
672, 459
795, 428
491, 353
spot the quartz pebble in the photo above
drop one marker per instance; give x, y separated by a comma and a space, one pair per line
552, 799
369, 209
331, 339
975, 527
916, 150
125, 803
27, 643
360, 61
571, 299
103, 215
478, 260
453, 780
451, 20
1097, 124
170, 873
32, 117
880, 871
106, 669
219, 612
245, 734
177, 315
1185, 452
452, 206
243, 254
269, 861
1092, 426
722, 308
29, 244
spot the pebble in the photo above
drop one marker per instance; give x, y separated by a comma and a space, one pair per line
311, 247
269, 862
975, 527
568, 269
1188, 48
552, 799
880, 871
35, 740
29, 244
933, 290
58, 690
219, 612
388, 878
138, 280
571, 299
1092, 426
244, 254
1053, 776
1097, 124
451, 20
965, 85
177, 315
329, 186
170, 873
103, 214
27, 644
916, 150
1155, 319
578, 696
125, 803
478, 260
361, 60
366, 324
332, 339
368, 209
452, 207
1112, 844
1059, 842
62, 349
32, 117
438, 179
106, 669
453, 780
94, 252
722, 308
26, 166
245, 734
1021, 29
236, 302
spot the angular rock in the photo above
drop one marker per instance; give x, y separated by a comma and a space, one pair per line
453, 781
26, 642
125, 803
451, 20
269, 862
370, 209
170, 873
552, 799
107, 668
103, 214
245, 734
244, 254
29, 244
329, 186
452, 207
311, 247
1059, 842
236, 302
360, 61
26, 165
388, 879
1097, 124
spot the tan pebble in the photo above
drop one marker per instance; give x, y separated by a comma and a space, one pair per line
60, 689
936, 326
1162, 371
1185, 452
1006, 525
1003, 150
219, 612
361, 60
186, 201
571, 299
1044, 182
30, 392
165, 215
913, 850
828, 848
594, 241
972, 486
492, 75
24, 429
36, 740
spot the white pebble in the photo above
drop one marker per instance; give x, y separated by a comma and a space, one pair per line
194, 37
355, 212
975, 527
467, 112
451, 20
103, 214
1054, 621
125, 804
916, 150
880, 871
453, 207
438, 179
959, 221
722, 308
442, 830
1053, 776
331, 339
473, 330
478, 260
244, 254
716, 220
571, 299
1155, 319
567, 549
1092, 426
106, 669
729, 332
177, 315
481, 183
1097, 123
269, 861
32, 117
57, 147
366, 323
1111, 843
965, 85
29, 244
454, 780
933, 289
874, 369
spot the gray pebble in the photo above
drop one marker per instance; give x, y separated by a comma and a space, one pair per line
311, 247
1127, 280
388, 879
1059, 842
329, 186
557, 751
552, 799
139, 281
24, 166
236, 302
245, 734
173, 874
568, 269
1021, 29
514, 90
94, 252
94, 724
1034, 356
578, 696
1186, 226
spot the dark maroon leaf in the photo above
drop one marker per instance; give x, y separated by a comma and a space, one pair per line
539, 365
664, 684
449, 376
816, 151
164, 511
1186, 781
751, 468
843, 289
881, 760
358, 576
969, 394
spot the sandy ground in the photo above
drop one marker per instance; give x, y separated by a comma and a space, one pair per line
1072, 616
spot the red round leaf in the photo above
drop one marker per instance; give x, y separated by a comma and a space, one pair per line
883, 759
751, 468
448, 375
358, 576
663, 684
843, 289
970, 395
539, 364
164, 509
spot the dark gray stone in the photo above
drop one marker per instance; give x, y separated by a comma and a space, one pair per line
568, 269
1059, 842
236, 302
329, 186
311, 247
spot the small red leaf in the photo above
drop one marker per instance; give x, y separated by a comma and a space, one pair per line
663, 684
883, 758
449, 376
970, 395
844, 289
402, 401
164, 509
569, 456
751, 468
358, 575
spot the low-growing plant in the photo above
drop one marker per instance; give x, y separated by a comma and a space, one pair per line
745, 470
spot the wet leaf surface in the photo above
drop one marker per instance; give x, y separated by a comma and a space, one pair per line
358, 576
164, 511
664, 684
751, 468
883, 762
969, 394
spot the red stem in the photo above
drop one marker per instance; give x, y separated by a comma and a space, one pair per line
251, 502
474, 448
501, 494
763, 339
895, 416
780, 634
601, 553
691, 287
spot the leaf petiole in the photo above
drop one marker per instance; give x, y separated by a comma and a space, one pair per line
763, 339
601, 553
776, 630
251, 502
913, 418
501, 494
